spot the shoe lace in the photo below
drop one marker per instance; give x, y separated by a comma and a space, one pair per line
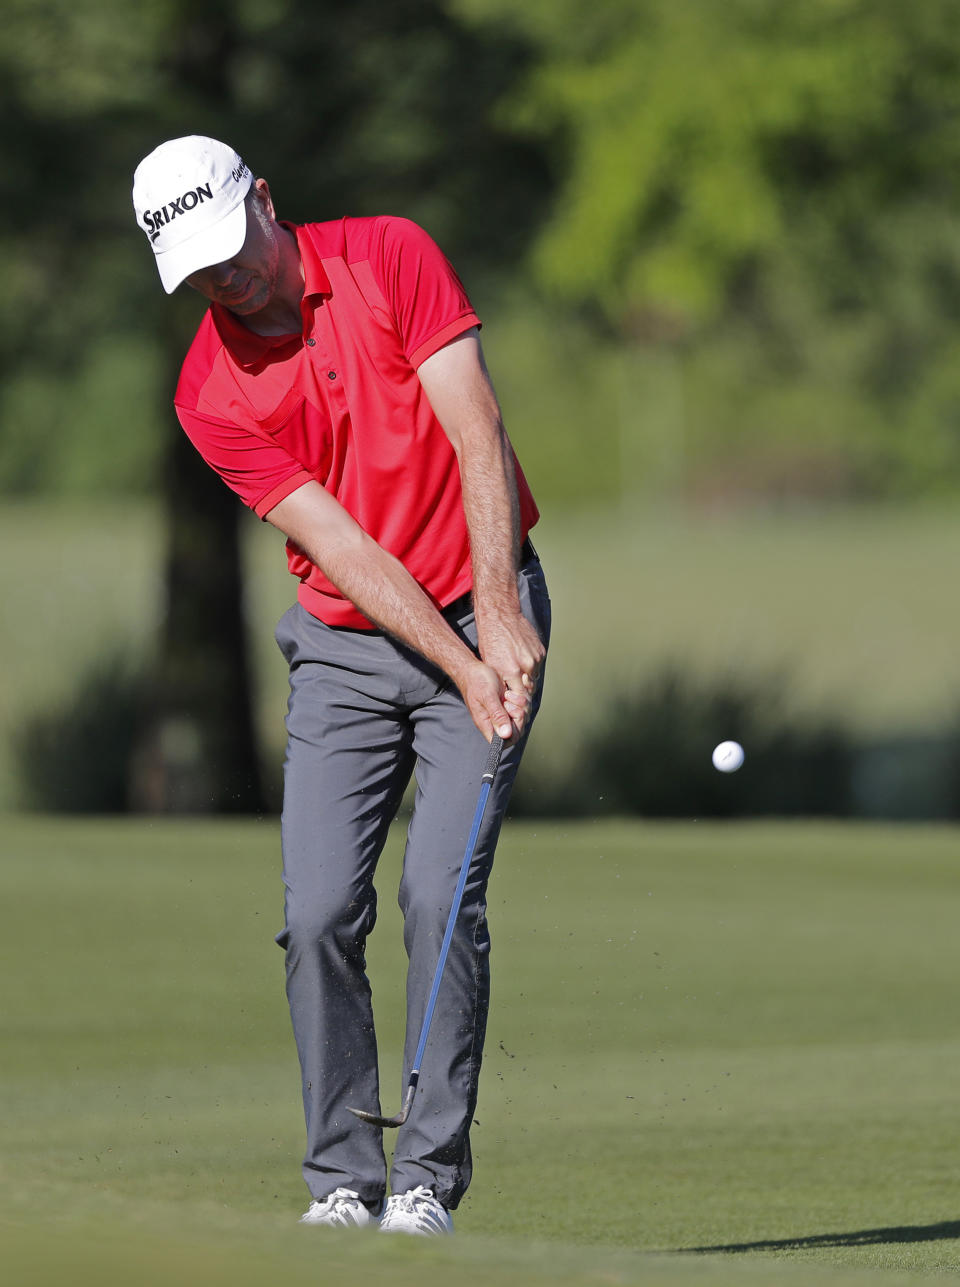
412, 1199
334, 1199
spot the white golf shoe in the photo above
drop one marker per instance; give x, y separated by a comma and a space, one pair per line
341, 1209
416, 1211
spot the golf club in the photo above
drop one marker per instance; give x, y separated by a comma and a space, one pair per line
493, 760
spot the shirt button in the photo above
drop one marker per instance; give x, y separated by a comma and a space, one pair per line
311, 341
331, 375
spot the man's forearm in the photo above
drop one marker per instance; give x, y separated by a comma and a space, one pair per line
461, 393
385, 592
381, 587
492, 513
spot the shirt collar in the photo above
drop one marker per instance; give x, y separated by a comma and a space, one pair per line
315, 279
246, 346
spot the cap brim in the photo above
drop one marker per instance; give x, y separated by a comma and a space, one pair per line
211, 246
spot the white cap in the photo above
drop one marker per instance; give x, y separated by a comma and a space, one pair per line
188, 195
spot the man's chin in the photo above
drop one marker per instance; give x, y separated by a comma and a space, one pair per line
245, 304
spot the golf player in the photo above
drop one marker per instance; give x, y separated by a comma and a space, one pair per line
337, 384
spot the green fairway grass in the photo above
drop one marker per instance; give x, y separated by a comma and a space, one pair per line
722, 1054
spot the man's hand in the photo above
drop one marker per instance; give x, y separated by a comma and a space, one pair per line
491, 707
511, 647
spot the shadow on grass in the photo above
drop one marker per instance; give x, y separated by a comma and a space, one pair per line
862, 1238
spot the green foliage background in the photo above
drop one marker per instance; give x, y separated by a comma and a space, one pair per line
717, 249
725, 237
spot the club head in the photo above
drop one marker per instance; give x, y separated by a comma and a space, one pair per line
373, 1120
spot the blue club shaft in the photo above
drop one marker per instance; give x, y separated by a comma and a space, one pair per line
489, 772
493, 759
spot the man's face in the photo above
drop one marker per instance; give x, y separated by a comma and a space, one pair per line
246, 283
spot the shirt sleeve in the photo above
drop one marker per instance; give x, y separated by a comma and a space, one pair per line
260, 471
428, 299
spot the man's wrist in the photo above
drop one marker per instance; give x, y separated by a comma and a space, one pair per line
461, 666
496, 603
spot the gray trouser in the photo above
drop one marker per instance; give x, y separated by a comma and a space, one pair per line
364, 713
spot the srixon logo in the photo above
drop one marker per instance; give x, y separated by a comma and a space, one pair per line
156, 220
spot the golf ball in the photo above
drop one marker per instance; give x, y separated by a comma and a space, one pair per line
727, 757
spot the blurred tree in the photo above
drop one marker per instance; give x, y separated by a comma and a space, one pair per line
351, 107
755, 206
771, 192
698, 138
347, 107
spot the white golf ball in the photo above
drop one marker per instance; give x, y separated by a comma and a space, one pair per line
728, 757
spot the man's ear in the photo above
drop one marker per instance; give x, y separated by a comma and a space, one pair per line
262, 195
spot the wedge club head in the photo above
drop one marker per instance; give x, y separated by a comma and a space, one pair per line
388, 1122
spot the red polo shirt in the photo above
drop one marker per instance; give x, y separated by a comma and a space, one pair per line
341, 403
